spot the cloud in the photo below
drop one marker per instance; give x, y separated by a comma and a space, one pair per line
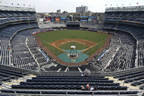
68, 5
93, 5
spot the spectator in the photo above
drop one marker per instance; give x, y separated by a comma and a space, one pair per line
82, 87
91, 88
88, 86
82, 74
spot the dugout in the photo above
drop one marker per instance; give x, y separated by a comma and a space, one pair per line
73, 25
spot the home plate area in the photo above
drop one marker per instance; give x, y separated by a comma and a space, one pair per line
70, 59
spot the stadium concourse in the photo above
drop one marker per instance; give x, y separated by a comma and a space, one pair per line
26, 70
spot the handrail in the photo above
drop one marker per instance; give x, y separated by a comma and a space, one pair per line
68, 92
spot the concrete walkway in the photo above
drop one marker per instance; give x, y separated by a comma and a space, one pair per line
7, 85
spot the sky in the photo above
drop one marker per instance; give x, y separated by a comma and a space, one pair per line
93, 5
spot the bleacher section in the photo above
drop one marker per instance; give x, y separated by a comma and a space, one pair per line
129, 21
126, 19
125, 53
44, 84
134, 78
11, 24
5, 14
8, 73
21, 57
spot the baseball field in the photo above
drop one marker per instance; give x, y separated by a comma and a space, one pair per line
66, 38
60, 40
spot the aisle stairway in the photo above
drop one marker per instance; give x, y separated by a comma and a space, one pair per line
7, 85
122, 83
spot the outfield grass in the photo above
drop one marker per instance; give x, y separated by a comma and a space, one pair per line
49, 37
